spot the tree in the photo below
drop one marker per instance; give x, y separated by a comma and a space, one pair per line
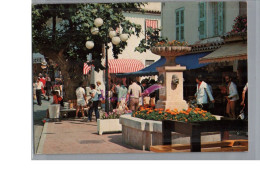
59, 32
152, 37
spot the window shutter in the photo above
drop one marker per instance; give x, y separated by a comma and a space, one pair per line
220, 18
202, 20
179, 24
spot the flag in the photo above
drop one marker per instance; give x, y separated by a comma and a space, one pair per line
86, 68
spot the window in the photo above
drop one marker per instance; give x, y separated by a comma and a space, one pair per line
150, 23
148, 62
202, 20
218, 18
180, 24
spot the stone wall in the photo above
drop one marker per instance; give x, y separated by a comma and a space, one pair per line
141, 134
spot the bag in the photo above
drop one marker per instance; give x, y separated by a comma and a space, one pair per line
90, 103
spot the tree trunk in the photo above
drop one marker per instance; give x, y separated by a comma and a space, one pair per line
72, 73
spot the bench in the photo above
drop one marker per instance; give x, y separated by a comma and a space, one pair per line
219, 146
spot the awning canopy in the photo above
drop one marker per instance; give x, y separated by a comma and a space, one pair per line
191, 61
124, 65
227, 52
38, 58
147, 71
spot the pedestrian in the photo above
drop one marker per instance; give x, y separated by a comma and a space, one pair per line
34, 88
42, 79
81, 99
232, 97
134, 91
48, 87
121, 92
100, 93
94, 106
114, 100
39, 87
203, 93
244, 101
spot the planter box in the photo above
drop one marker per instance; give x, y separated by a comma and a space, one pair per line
108, 125
141, 134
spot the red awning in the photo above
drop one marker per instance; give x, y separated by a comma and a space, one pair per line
124, 65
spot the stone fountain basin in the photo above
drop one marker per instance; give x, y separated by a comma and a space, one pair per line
171, 50
141, 134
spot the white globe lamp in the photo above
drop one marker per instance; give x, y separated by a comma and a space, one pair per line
98, 22
43, 66
124, 37
94, 30
116, 40
89, 44
112, 33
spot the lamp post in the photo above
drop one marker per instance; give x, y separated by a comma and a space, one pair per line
98, 22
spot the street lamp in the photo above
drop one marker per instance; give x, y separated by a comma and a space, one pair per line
98, 22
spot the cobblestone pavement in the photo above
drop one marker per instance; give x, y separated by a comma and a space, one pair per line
76, 136
39, 113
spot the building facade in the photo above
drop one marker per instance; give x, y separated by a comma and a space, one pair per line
195, 21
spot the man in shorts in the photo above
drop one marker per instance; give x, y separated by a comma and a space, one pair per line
134, 91
81, 99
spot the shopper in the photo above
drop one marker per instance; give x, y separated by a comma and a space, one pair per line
94, 106
81, 99
134, 91
121, 92
39, 87
232, 97
203, 93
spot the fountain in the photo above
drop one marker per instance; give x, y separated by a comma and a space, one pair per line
171, 78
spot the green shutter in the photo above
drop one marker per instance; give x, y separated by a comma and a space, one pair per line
179, 24
220, 18
202, 20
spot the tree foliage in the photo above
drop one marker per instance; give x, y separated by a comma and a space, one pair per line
152, 37
64, 28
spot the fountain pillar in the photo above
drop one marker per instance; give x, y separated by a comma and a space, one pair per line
171, 78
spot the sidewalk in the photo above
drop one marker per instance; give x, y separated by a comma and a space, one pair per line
77, 137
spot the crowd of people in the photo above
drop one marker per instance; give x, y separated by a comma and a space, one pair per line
205, 100
44, 88
132, 96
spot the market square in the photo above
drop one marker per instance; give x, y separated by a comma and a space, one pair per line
109, 78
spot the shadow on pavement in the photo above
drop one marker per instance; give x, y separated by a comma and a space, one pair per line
117, 139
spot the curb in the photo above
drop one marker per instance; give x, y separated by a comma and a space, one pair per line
42, 140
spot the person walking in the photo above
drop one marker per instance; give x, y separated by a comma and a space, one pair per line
232, 97
202, 94
48, 87
244, 101
39, 87
81, 100
134, 91
121, 92
94, 106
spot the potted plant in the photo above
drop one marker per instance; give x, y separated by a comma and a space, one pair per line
109, 122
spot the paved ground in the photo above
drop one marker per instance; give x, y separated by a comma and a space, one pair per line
39, 113
75, 136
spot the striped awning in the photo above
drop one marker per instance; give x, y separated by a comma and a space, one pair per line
124, 65
227, 52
